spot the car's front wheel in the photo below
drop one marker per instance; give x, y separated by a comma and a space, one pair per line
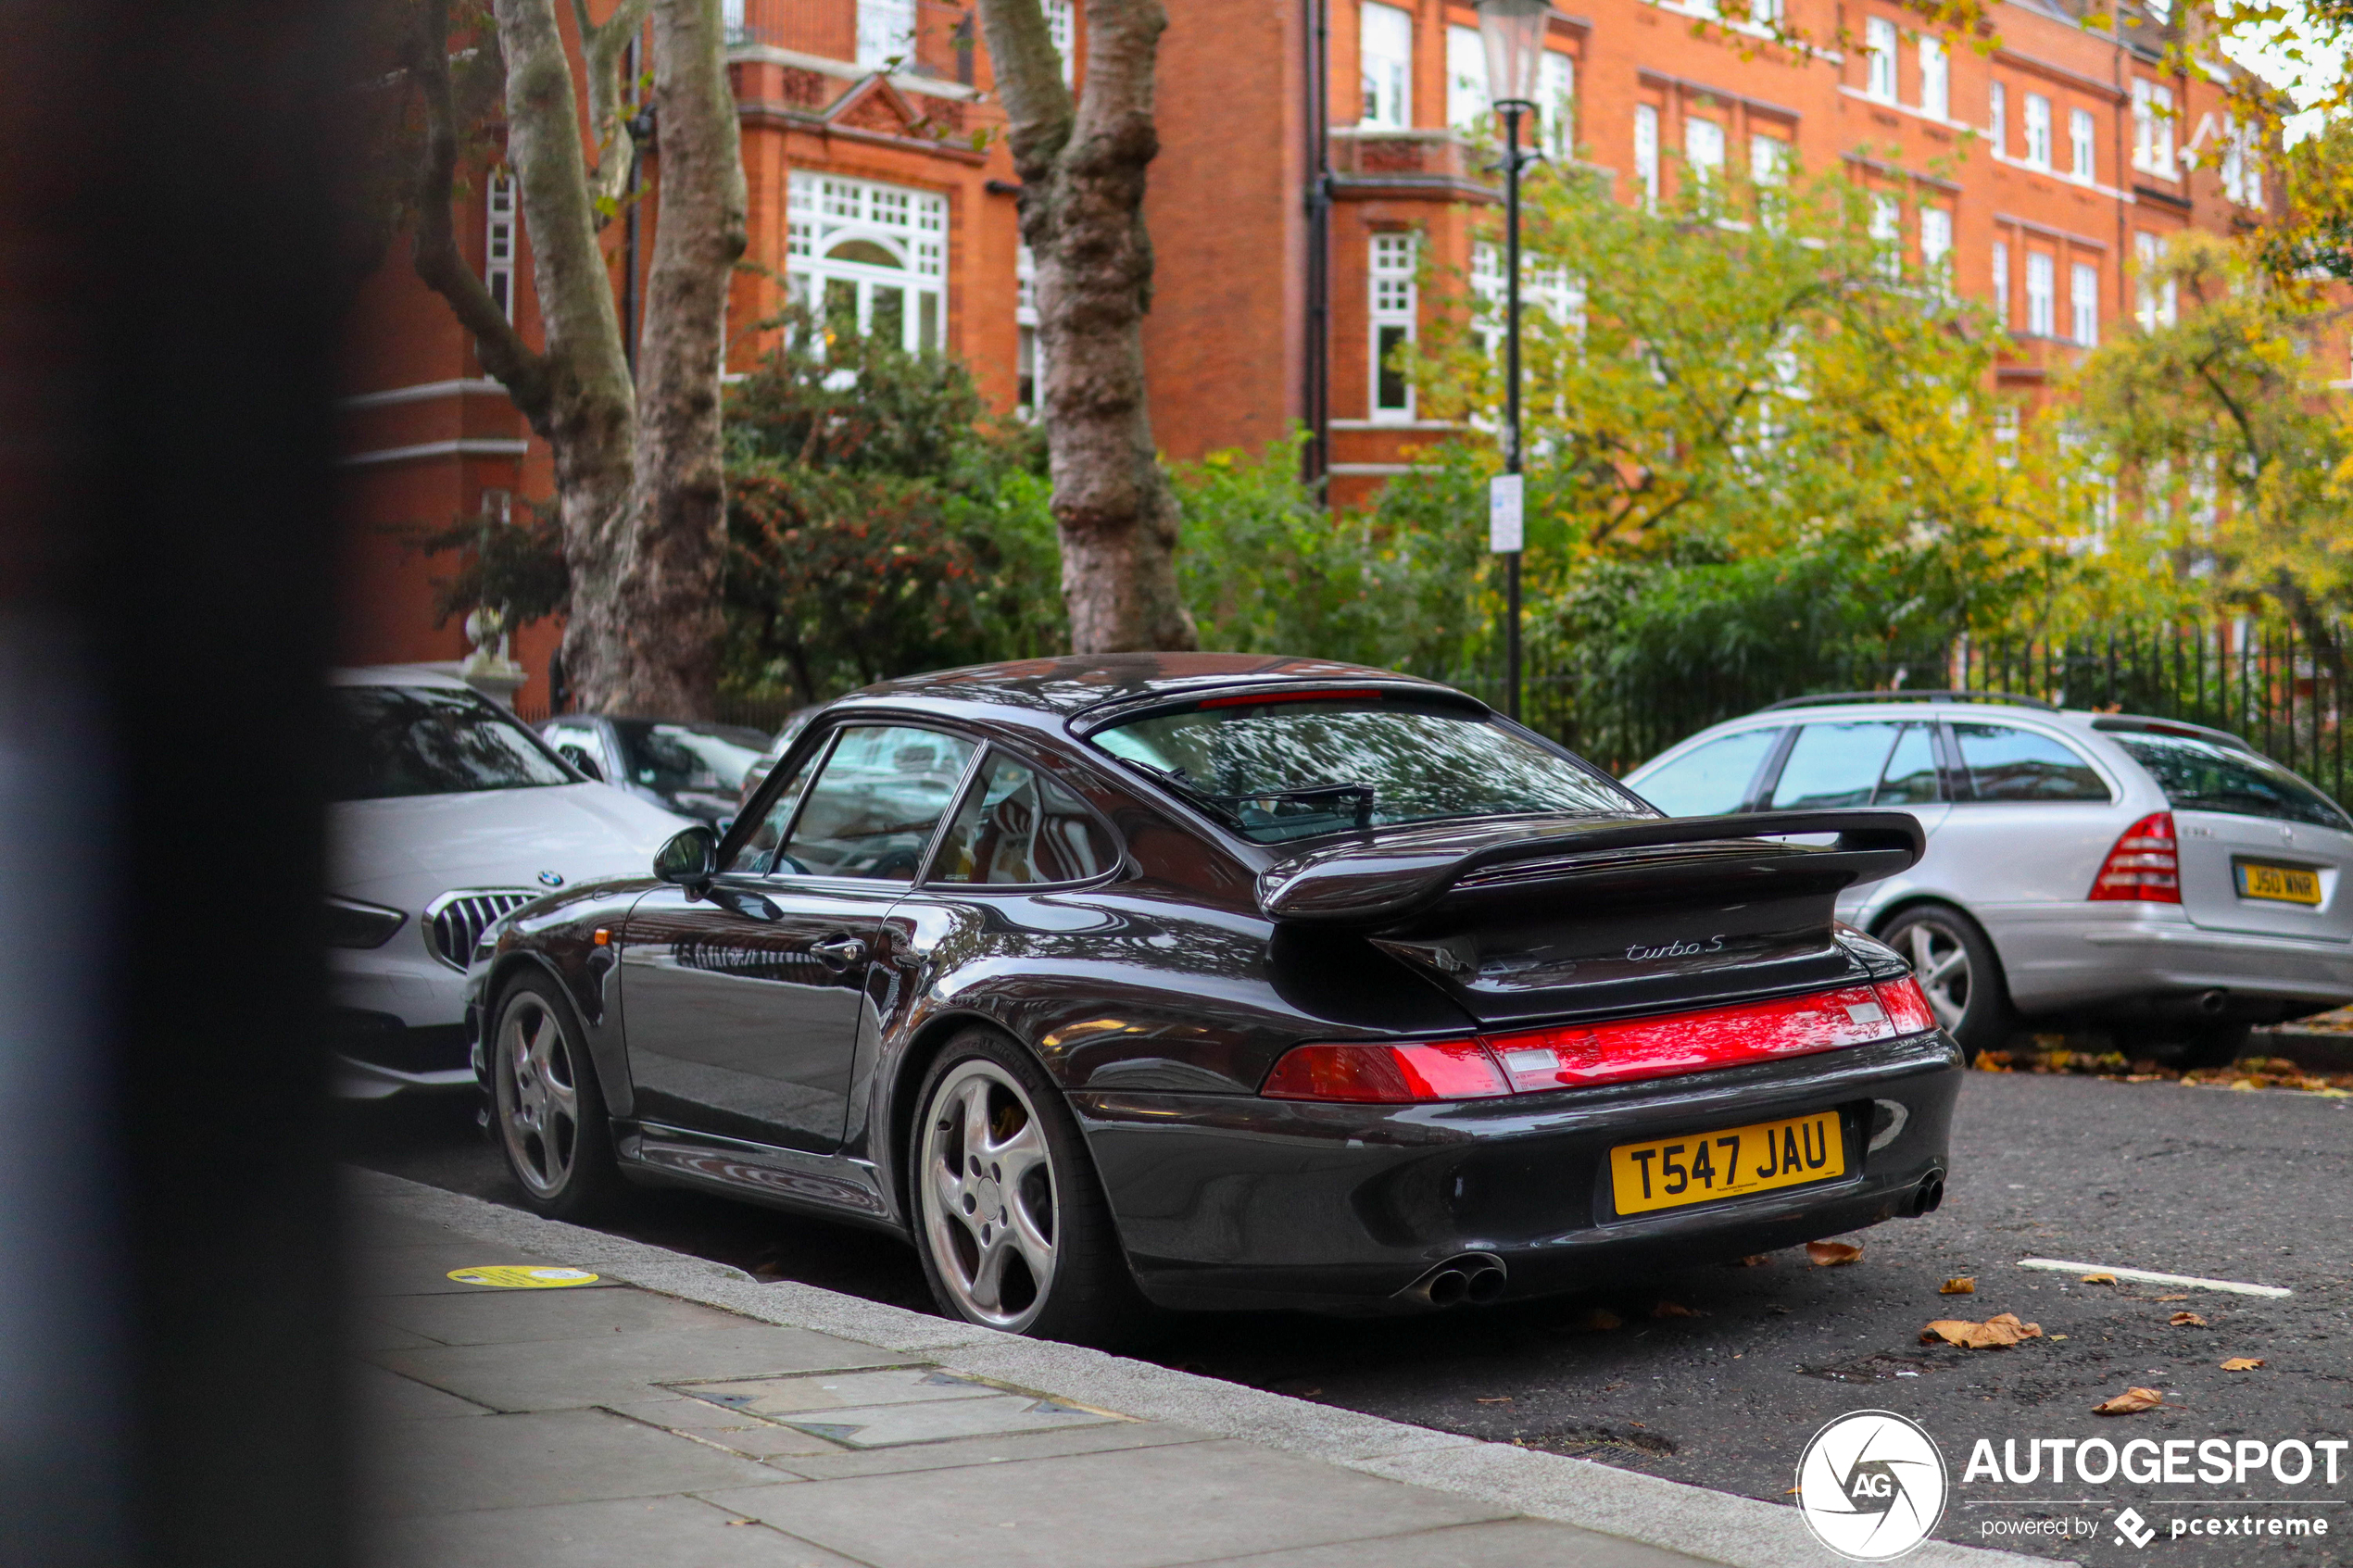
1958, 971
550, 1110
1009, 1217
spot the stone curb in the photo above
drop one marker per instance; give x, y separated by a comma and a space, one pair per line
1740, 1532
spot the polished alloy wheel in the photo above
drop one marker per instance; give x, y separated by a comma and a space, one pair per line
990, 1216
1940, 962
539, 1091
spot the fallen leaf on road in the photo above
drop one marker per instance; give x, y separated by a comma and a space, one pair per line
1996, 1333
1595, 1320
2129, 1403
1494, 1398
1830, 1254
1753, 1261
2242, 1363
2177, 1296
2186, 1320
2057, 1338
2099, 1279
1959, 1285
1675, 1310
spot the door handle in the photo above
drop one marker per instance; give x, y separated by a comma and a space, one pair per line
840, 951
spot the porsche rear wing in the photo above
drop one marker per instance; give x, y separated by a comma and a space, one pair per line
1395, 876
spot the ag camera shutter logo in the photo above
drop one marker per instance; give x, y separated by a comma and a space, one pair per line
1872, 1485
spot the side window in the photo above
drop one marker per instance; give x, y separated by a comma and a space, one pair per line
1909, 778
757, 855
1710, 780
576, 743
871, 812
1018, 826
2010, 764
1834, 764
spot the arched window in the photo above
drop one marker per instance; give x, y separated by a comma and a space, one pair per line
870, 259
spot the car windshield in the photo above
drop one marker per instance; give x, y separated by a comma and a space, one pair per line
1266, 767
667, 758
2199, 776
389, 741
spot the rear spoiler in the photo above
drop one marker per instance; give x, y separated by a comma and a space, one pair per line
1396, 875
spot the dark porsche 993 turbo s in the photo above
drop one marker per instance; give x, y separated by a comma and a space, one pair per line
1221, 981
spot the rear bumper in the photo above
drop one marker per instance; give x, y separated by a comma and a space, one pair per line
1227, 1202
2158, 965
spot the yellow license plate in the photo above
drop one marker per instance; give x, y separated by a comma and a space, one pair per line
1701, 1167
2281, 885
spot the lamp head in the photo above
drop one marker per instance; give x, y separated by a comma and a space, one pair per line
1514, 33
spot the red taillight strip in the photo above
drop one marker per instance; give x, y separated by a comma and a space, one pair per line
1578, 1055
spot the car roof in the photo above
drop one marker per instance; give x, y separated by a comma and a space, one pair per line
1072, 683
394, 675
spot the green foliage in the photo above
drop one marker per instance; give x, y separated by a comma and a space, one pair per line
2224, 424
879, 520
1265, 569
517, 564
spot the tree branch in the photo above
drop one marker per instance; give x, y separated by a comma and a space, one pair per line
603, 49
438, 260
1029, 82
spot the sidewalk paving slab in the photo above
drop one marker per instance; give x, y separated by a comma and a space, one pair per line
676, 1392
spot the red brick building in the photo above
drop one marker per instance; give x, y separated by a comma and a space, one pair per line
1310, 151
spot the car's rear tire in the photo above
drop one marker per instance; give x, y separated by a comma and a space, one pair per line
2201, 1045
1959, 972
1009, 1215
547, 1110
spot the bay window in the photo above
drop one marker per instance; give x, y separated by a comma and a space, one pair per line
870, 259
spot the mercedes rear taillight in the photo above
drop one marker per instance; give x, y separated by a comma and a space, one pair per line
2144, 867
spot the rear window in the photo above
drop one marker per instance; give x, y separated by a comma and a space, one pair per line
1711, 780
2004, 763
1284, 769
389, 741
2199, 775
683, 757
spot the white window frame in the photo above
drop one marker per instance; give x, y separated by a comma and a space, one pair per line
1392, 298
2242, 165
1465, 77
1704, 148
1029, 351
1549, 289
2153, 128
2082, 138
885, 32
1385, 56
1997, 118
2001, 282
2037, 126
2157, 302
1061, 27
1887, 232
1936, 241
2083, 304
1768, 158
1555, 102
1936, 80
1879, 54
1646, 152
826, 211
2042, 293
499, 231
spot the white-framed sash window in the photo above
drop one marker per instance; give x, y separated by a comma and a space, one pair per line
885, 32
869, 257
1647, 152
1395, 304
2002, 282
1936, 81
2153, 129
499, 241
2083, 140
1385, 39
1879, 44
1704, 148
2083, 304
2038, 131
2042, 290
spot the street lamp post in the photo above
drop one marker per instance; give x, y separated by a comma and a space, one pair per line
1512, 31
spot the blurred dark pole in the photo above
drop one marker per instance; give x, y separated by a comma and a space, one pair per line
170, 1289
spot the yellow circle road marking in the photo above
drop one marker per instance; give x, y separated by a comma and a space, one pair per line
517, 1276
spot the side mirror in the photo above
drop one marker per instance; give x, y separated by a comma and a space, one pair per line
578, 756
690, 859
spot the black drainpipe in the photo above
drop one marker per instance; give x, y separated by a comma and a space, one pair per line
1316, 456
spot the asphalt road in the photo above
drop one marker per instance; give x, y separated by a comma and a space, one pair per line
2246, 1187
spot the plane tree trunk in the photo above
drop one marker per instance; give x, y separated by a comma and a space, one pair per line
1082, 164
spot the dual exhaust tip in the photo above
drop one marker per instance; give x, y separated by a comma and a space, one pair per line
1475, 1277
1930, 1194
